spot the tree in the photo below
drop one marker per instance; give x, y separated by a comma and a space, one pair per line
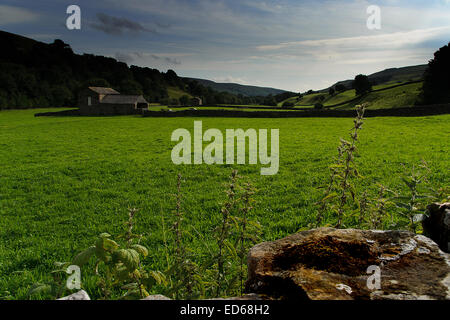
130, 87
341, 88
61, 96
96, 82
184, 100
288, 104
270, 101
320, 98
331, 91
436, 85
361, 84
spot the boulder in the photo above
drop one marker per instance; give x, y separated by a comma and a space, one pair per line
437, 224
332, 264
80, 295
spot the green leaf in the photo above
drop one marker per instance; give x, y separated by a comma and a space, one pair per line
330, 196
102, 254
39, 288
140, 249
159, 277
83, 257
110, 245
130, 286
231, 248
129, 257
105, 235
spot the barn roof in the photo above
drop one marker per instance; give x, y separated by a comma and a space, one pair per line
104, 90
123, 99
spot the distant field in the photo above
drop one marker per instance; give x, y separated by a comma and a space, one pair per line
392, 98
177, 93
396, 97
64, 180
405, 95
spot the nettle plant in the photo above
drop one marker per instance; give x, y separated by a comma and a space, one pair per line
234, 235
223, 270
366, 210
340, 194
184, 275
420, 192
119, 266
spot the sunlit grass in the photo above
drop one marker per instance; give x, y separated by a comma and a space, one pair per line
64, 180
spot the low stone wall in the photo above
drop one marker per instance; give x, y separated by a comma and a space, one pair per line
99, 112
310, 113
398, 112
74, 112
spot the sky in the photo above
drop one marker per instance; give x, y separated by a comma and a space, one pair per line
293, 45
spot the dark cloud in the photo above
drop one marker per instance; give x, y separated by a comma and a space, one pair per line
117, 26
124, 57
163, 25
132, 56
166, 59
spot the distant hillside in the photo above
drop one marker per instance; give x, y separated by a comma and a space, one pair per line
391, 76
234, 88
383, 96
36, 74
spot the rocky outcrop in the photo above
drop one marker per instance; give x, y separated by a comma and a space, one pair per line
331, 264
437, 224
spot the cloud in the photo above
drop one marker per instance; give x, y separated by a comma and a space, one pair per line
131, 57
399, 47
43, 36
390, 40
125, 57
289, 44
231, 79
117, 26
16, 15
169, 60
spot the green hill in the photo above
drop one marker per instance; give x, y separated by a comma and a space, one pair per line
401, 96
390, 76
234, 88
383, 96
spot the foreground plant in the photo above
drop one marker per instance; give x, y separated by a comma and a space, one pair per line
234, 236
185, 278
224, 245
120, 267
248, 231
412, 205
56, 288
342, 173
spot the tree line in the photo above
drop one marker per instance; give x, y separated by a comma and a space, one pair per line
34, 74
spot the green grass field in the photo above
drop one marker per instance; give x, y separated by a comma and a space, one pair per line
177, 93
395, 97
392, 98
65, 180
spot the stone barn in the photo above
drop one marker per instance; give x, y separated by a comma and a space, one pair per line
107, 101
196, 101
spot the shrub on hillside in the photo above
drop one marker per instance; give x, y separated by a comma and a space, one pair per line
318, 106
340, 88
288, 104
361, 84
